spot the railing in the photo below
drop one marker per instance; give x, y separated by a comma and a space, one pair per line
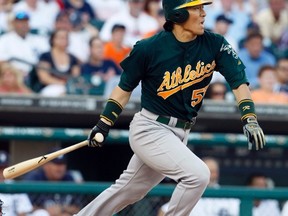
245, 194
121, 136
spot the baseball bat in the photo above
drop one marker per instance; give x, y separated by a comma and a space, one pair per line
31, 164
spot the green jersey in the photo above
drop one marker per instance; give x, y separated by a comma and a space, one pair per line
175, 75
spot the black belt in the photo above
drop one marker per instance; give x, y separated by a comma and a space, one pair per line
180, 123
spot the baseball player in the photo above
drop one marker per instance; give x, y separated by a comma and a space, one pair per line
175, 67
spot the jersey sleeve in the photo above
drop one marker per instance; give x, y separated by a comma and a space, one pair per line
133, 68
230, 65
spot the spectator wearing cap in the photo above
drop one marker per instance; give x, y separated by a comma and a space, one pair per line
240, 18
20, 47
15, 204
54, 171
115, 48
254, 56
136, 21
222, 25
42, 14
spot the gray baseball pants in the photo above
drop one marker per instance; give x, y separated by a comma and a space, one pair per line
159, 150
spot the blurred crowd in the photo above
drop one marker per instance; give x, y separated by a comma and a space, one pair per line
61, 47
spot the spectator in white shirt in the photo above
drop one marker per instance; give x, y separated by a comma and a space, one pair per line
264, 207
20, 47
106, 8
15, 204
136, 21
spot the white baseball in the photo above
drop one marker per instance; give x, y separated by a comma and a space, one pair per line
99, 137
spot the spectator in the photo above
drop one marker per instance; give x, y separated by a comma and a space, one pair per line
57, 66
56, 204
222, 25
273, 20
42, 14
63, 21
266, 207
19, 38
239, 17
15, 204
5, 10
284, 211
282, 75
115, 49
80, 33
161, 21
11, 80
282, 47
255, 56
152, 7
212, 206
267, 81
216, 91
98, 70
251, 28
82, 8
136, 21
106, 8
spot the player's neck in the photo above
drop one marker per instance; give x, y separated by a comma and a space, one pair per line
182, 35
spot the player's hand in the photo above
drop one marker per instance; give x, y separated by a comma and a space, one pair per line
254, 134
102, 128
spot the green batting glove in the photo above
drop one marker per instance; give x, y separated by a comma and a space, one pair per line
254, 133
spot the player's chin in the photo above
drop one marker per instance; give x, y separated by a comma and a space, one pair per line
200, 32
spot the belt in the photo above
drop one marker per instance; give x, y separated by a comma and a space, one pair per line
180, 123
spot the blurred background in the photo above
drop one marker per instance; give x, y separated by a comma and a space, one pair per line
59, 61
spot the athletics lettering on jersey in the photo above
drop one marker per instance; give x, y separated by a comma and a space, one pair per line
176, 80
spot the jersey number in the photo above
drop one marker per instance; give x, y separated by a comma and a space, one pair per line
197, 96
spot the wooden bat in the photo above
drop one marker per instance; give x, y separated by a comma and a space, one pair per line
31, 164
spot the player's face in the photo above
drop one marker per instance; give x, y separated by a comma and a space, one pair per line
195, 22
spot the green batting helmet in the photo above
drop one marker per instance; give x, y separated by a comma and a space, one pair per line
175, 10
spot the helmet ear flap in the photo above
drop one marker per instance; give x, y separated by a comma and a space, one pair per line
179, 16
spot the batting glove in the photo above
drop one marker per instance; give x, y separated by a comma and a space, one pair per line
254, 134
102, 128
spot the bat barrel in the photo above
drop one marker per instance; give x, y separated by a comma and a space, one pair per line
28, 165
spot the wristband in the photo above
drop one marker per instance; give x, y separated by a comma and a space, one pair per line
247, 109
111, 111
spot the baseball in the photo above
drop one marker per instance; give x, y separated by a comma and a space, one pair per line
99, 137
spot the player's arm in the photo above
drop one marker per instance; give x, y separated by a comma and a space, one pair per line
114, 106
251, 128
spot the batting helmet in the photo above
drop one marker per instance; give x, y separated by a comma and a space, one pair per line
175, 10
